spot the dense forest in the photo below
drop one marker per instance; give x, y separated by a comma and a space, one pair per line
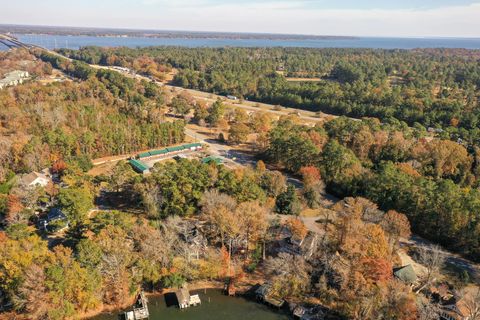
432, 87
105, 114
434, 182
190, 220
431, 181
106, 258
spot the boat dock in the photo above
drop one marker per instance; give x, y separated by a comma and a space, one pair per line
140, 309
264, 293
186, 300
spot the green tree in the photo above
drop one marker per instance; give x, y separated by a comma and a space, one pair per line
238, 133
288, 202
76, 203
216, 112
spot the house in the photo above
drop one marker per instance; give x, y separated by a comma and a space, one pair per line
289, 243
454, 311
13, 78
35, 179
406, 274
452, 307
55, 220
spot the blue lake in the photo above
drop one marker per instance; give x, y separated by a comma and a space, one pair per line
74, 42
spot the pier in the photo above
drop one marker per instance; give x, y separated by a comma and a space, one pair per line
140, 309
186, 300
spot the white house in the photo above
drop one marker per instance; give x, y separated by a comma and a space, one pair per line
34, 179
14, 78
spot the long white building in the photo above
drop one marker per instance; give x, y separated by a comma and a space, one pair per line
14, 78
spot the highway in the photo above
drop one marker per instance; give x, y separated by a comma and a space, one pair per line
308, 116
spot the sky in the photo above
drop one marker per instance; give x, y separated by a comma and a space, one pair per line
392, 18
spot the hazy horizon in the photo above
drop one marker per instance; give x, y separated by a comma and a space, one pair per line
369, 18
127, 29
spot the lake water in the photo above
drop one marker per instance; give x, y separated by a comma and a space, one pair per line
74, 42
219, 307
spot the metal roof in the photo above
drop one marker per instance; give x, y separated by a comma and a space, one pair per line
158, 152
138, 165
405, 274
144, 155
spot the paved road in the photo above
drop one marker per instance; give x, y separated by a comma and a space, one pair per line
252, 106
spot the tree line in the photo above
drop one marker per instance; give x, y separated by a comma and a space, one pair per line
430, 88
434, 182
101, 114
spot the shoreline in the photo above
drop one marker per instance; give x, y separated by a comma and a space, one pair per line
194, 286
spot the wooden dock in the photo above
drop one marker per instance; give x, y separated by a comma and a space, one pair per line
140, 309
186, 300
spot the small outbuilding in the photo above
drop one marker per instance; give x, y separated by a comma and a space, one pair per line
406, 274
211, 159
183, 298
139, 166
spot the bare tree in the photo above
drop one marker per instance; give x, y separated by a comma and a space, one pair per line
289, 274
470, 300
427, 310
433, 259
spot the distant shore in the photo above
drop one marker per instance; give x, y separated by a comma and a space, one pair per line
165, 34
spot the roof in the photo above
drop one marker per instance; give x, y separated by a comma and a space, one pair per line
138, 165
183, 295
176, 148
32, 176
263, 290
192, 145
144, 155
405, 274
210, 159
14, 76
55, 214
158, 152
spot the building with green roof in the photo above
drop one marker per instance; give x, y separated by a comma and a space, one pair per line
210, 159
139, 166
406, 274
144, 155
160, 152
